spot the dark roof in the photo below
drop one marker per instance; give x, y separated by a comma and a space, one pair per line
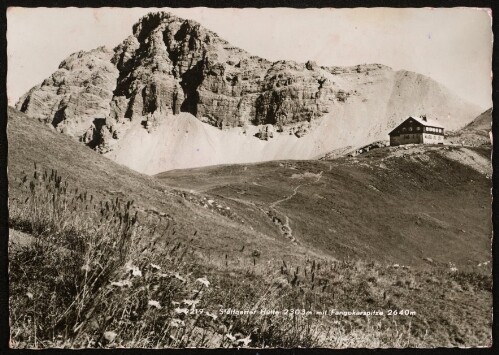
427, 123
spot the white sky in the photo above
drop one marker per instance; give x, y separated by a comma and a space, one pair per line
453, 46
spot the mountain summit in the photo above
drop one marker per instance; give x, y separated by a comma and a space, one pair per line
108, 98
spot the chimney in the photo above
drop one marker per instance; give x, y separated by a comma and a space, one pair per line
424, 117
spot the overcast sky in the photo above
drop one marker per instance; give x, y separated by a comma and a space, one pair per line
453, 46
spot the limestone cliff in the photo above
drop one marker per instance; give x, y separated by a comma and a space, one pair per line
171, 65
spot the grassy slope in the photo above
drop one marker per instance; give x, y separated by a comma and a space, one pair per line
31, 141
476, 133
395, 209
459, 311
482, 122
421, 207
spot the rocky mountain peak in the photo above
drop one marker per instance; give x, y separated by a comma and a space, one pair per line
171, 65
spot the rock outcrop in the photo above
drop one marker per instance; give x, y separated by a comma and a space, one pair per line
266, 132
171, 65
79, 92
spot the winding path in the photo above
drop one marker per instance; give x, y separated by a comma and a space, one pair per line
285, 227
295, 191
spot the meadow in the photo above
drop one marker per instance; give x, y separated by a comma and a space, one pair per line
90, 272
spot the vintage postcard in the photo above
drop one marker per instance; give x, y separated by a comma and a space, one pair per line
257, 178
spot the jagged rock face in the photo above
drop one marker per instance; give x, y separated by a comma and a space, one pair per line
170, 65
76, 94
173, 65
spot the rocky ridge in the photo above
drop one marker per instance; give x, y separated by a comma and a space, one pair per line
476, 133
171, 65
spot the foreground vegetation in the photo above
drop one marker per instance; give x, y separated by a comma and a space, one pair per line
93, 273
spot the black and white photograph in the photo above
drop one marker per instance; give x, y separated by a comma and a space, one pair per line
249, 177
